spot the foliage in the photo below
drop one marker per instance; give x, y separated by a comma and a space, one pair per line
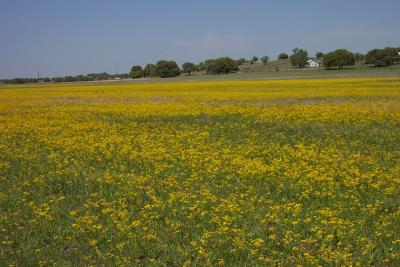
299, 58
136, 72
150, 70
188, 67
250, 173
209, 63
202, 66
338, 58
382, 57
165, 69
283, 56
19, 80
78, 78
221, 65
253, 60
359, 57
264, 59
240, 61
319, 55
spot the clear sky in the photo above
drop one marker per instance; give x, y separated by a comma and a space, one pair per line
73, 37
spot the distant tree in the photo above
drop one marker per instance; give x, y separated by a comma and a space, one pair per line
124, 75
70, 79
338, 58
150, 70
201, 66
265, 59
188, 67
165, 69
209, 63
254, 60
19, 80
283, 56
241, 61
319, 55
57, 79
102, 76
382, 57
222, 65
136, 72
299, 58
359, 57
393, 53
378, 57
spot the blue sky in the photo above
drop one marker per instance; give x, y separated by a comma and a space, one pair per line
73, 37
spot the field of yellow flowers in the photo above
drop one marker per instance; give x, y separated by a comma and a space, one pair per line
249, 173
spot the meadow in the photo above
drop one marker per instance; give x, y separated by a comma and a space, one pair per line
231, 173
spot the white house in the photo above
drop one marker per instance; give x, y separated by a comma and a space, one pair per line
312, 63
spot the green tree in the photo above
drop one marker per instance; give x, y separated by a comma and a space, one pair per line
283, 56
209, 63
319, 55
188, 67
166, 69
338, 58
265, 60
136, 72
70, 79
299, 58
359, 57
201, 66
222, 65
382, 57
241, 61
254, 60
150, 70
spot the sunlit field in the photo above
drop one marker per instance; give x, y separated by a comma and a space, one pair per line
249, 173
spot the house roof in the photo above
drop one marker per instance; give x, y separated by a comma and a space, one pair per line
319, 61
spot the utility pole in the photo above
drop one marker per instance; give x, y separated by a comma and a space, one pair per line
38, 75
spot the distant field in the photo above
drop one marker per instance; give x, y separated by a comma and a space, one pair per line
236, 173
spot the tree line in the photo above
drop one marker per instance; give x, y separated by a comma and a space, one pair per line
298, 59
342, 57
79, 78
165, 69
